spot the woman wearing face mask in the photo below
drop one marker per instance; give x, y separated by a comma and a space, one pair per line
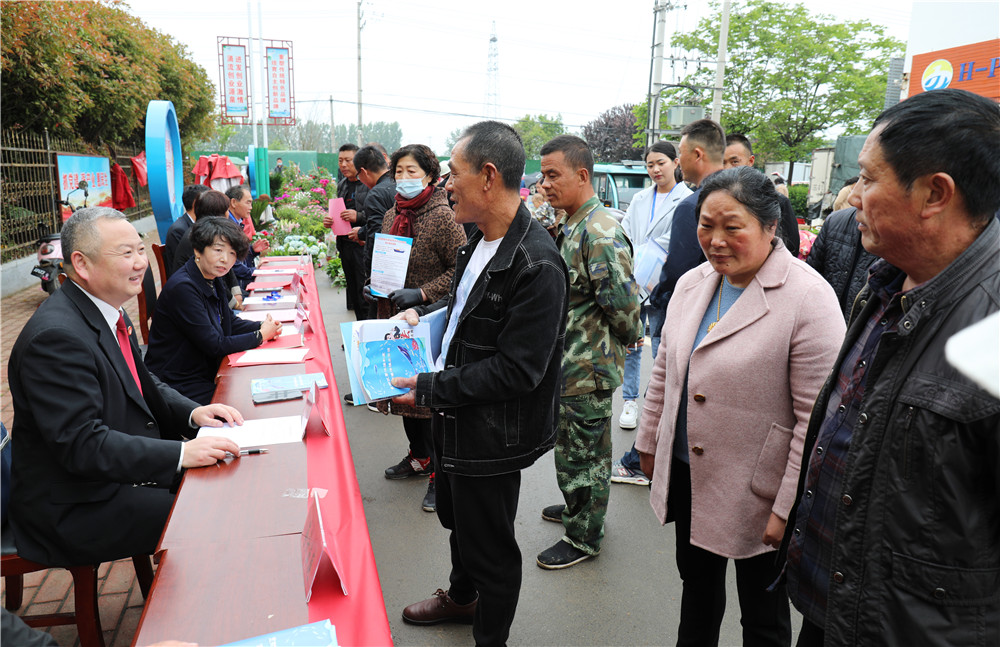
421, 213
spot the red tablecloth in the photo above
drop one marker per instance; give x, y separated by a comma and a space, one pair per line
360, 618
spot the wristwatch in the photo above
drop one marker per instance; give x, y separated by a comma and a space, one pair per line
260, 336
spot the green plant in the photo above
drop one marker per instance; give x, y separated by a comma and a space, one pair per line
258, 208
334, 270
798, 195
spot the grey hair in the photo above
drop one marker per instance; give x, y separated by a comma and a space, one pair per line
79, 233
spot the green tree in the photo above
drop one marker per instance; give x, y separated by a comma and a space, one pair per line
790, 74
308, 135
535, 131
611, 135
389, 134
90, 69
453, 138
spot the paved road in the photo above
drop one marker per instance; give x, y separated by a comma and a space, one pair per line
629, 595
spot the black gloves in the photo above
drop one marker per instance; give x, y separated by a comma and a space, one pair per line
406, 297
366, 292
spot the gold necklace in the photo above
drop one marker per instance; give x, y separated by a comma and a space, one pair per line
718, 309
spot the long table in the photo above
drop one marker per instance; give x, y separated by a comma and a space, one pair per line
230, 556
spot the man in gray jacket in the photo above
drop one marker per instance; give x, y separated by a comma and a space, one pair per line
895, 539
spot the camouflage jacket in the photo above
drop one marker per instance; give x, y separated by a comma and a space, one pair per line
603, 299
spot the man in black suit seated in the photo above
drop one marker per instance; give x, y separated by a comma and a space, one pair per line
99, 439
181, 225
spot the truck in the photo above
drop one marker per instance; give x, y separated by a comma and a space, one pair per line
831, 168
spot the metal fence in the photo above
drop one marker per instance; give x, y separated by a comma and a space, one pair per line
29, 189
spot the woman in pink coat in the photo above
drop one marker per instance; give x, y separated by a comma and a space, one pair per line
749, 338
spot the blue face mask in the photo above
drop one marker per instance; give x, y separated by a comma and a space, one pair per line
409, 189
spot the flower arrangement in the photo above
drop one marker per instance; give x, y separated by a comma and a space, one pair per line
299, 207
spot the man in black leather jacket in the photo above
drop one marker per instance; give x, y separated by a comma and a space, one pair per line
837, 254
895, 539
495, 396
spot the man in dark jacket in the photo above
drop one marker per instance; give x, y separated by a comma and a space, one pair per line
837, 254
98, 439
495, 398
739, 152
895, 539
179, 226
373, 171
352, 256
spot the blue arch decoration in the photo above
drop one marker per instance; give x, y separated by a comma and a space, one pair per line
164, 164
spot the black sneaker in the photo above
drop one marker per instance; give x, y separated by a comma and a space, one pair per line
553, 512
408, 467
562, 555
430, 499
349, 398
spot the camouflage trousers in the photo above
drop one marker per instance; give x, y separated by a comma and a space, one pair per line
583, 467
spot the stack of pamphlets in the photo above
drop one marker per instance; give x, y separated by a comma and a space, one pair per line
379, 350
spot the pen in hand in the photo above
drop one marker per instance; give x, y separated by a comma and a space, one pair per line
247, 452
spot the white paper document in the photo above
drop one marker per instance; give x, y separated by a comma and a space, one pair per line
260, 432
649, 260
270, 302
390, 259
275, 271
288, 329
271, 356
286, 314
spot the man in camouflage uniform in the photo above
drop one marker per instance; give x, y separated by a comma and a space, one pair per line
603, 319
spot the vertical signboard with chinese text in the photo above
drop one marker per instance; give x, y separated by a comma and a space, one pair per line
280, 93
233, 80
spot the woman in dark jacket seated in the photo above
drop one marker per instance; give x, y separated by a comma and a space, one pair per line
194, 328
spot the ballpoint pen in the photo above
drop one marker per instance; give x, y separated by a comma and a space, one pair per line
247, 452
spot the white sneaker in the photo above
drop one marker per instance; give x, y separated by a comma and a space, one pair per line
630, 415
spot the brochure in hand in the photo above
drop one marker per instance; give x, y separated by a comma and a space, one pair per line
379, 350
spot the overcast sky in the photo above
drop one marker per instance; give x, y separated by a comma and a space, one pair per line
424, 62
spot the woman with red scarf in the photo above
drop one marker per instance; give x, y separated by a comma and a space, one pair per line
423, 214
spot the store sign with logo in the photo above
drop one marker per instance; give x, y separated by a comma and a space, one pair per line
974, 67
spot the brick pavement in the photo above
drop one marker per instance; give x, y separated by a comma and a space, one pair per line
51, 591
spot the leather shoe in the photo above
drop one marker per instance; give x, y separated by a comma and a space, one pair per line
439, 608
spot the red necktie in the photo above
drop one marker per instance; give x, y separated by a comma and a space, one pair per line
126, 346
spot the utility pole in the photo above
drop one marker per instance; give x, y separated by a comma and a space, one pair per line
656, 70
265, 109
720, 65
360, 25
249, 57
333, 136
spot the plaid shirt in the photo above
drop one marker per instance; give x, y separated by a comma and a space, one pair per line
809, 548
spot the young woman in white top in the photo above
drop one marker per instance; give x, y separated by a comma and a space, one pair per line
647, 224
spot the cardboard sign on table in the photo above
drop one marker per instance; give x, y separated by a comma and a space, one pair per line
316, 550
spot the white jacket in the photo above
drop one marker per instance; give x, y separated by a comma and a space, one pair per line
640, 224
